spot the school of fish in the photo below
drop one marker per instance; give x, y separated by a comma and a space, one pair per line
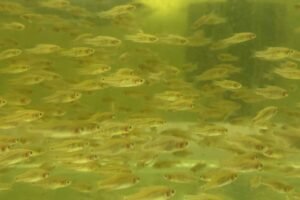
87, 110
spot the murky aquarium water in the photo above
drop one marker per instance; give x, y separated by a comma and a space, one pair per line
149, 100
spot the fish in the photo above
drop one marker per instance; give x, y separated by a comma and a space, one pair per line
172, 39
117, 11
218, 72
148, 122
165, 164
209, 19
158, 192
48, 75
239, 38
101, 116
15, 157
272, 92
227, 57
275, 185
22, 116
32, 176
295, 55
236, 38
78, 52
123, 81
88, 85
198, 38
87, 167
74, 158
30, 17
103, 41
13, 26
112, 129
62, 96
94, 69
180, 177
169, 95
142, 37
228, 84
53, 183
83, 187
17, 99
27, 79
15, 69
44, 49
125, 72
118, 182
208, 130
221, 179
198, 166
3, 101
4, 148
203, 196
288, 72
57, 4
274, 53
10, 53
166, 144
246, 165
71, 145
65, 129
11, 8
265, 115
5, 186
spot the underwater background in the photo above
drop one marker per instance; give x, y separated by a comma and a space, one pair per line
149, 99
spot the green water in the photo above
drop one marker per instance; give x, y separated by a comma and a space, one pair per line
80, 124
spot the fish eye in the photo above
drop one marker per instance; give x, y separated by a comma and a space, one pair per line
183, 41
136, 179
182, 144
75, 95
66, 182
19, 27
139, 81
3, 101
29, 153
233, 177
130, 7
285, 94
259, 147
45, 175
90, 51
37, 78
97, 127
170, 193
24, 100
185, 143
115, 42
153, 38
287, 189
94, 157
4, 149
167, 176
79, 130
17, 51
128, 128
291, 51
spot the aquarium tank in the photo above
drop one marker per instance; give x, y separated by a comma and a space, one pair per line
149, 100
